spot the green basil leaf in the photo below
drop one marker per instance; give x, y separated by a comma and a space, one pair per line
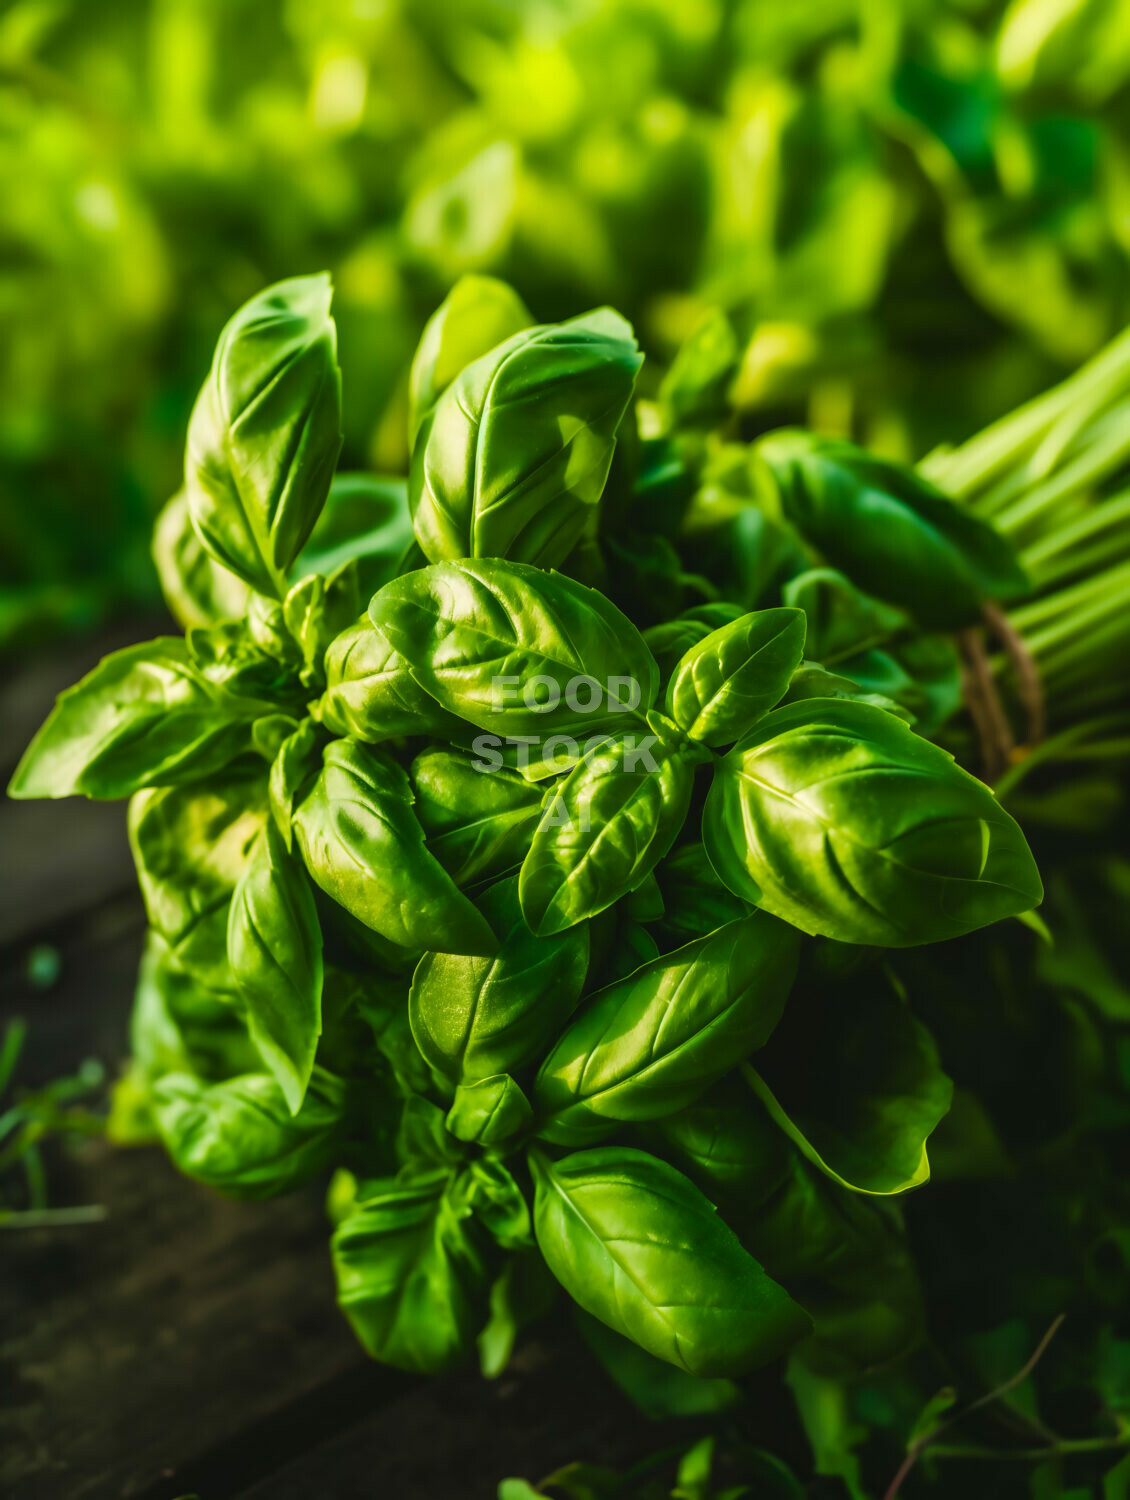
518, 447
811, 680
365, 521
842, 620
144, 717
363, 846
411, 1276
270, 733
478, 823
265, 432
423, 1144
649, 1044
476, 1017
490, 1112
178, 1025
240, 1137
266, 625
854, 1080
671, 641
197, 589
695, 902
478, 314
370, 693
645, 903
933, 667
523, 1292
727, 1143
275, 952
725, 683
639, 1247
657, 1389
484, 636
316, 610
838, 818
889, 529
632, 947
191, 846
843, 1256
295, 765
230, 659
499, 1203
695, 389
605, 827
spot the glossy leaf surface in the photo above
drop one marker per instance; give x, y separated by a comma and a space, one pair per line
518, 447
639, 1247
838, 818
265, 432
515, 650
275, 952
649, 1044
604, 829
725, 683
363, 846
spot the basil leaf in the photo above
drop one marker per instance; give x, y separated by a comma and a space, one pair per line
266, 625
411, 1276
695, 902
240, 1137
695, 389
230, 659
723, 685
489, 1112
655, 1388
889, 529
843, 1256
478, 823
296, 763
649, 1044
365, 521
144, 717
838, 818
933, 666
639, 1247
498, 1202
842, 620
265, 432
275, 952
671, 641
370, 693
191, 847
810, 680
363, 846
854, 1080
316, 610
523, 1292
632, 947
474, 1017
179, 1025
197, 589
484, 636
478, 314
605, 827
519, 445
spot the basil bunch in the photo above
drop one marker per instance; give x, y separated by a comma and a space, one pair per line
545, 905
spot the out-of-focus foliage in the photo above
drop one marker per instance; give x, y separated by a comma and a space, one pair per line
914, 213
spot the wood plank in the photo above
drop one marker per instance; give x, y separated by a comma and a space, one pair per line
459, 1436
177, 1324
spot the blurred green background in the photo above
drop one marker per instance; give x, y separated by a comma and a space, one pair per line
917, 213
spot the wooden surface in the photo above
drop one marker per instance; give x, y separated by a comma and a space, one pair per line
187, 1344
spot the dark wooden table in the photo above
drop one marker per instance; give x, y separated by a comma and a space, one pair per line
186, 1344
